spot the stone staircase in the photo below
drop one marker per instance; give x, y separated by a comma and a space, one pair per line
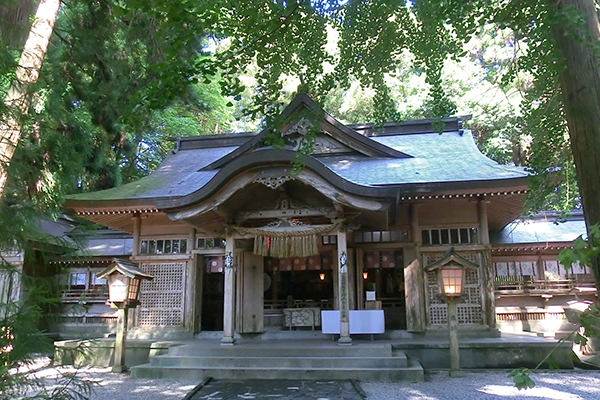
311, 360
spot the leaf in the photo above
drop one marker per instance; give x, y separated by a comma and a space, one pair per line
552, 363
579, 339
521, 378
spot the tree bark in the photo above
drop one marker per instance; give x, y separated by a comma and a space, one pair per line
17, 100
580, 84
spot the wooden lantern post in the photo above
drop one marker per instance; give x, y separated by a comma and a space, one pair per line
124, 280
451, 273
451, 278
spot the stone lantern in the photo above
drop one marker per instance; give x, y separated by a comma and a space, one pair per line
451, 273
124, 280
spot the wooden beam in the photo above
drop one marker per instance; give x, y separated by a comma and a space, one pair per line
300, 212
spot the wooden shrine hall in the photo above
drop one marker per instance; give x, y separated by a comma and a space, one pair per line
242, 236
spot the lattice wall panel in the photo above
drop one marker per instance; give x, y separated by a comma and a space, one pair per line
438, 314
162, 298
469, 314
469, 309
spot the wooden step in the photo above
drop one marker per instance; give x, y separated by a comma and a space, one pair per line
283, 360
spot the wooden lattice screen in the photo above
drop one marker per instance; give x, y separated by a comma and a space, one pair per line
469, 309
161, 299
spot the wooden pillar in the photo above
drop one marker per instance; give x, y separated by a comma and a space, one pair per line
351, 280
343, 288
229, 292
453, 337
199, 261
137, 230
487, 268
360, 282
335, 279
539, 270
132, 318
190, 302
414, 279
120, 340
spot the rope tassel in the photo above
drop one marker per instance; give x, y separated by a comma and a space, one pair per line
287, 243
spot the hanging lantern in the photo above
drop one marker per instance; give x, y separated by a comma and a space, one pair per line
123, 282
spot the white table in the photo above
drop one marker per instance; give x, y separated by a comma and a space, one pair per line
361, 322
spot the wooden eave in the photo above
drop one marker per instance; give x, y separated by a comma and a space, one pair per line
119, 218
508, 249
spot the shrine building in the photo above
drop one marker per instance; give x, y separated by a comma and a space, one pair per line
243, 236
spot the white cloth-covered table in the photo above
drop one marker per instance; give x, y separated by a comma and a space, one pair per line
361, 322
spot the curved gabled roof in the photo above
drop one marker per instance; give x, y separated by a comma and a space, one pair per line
436, 158
385, 166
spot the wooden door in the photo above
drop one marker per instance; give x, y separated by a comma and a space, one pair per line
250, 317
415, 308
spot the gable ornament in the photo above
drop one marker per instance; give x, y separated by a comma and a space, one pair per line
273, 182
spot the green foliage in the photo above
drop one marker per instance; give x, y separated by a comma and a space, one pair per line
521, 378
583, 250
118, 78
28, 296
580, 339
121, 76
589, 320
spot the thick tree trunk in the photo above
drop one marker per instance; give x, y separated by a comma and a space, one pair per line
580, 84
27, 73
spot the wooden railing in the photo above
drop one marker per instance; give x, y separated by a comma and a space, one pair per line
527, 285
530, 316
87, 319
293, 303
323, 304
93, 295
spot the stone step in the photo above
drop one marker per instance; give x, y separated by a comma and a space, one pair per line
399, 361
412, 373
327, 351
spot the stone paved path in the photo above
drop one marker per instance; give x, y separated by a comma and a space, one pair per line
277, 389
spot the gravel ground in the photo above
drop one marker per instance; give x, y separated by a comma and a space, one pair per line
559, 385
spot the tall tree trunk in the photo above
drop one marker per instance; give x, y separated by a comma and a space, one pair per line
27, 73
580, 84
